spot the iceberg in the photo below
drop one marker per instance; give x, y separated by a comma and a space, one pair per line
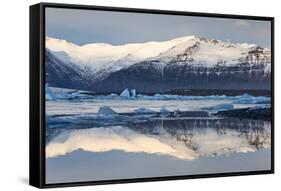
176, 113
248, 99
164, 110
220, 107
54, 93
223, 106
240, 99
181, 97
129, 93
144, 110
133, 92
105, 110
49, 94
125, 93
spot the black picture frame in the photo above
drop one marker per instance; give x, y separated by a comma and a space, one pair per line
37, 94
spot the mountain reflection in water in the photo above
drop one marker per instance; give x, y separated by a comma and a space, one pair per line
184, 139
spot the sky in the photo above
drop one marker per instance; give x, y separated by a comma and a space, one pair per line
116, 28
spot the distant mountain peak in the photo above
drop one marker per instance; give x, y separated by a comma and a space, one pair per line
100, 60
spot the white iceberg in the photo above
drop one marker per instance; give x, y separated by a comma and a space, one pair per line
133, 92
105, 110
129, 93
125, 93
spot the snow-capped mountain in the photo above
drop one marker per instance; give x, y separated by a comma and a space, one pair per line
104, 58
62, 73
186, 62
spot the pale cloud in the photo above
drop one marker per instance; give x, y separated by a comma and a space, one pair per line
89, 26
242, 23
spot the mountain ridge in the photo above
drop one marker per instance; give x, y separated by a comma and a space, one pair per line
188, 59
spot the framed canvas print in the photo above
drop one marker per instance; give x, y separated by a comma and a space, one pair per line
122, 95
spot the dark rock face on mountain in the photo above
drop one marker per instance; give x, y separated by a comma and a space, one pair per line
62, 74
148, 77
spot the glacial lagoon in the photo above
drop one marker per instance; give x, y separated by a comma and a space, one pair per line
137, 138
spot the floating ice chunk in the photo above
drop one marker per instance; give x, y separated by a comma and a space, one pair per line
133, 92
129, 93
244, 101
220, 107
125, 93
164, 110
144, 110
268, 102
223, 106
248, 99
49, 94
75, 94
105, 110
267, 69
177, 113
70, 96
180, 97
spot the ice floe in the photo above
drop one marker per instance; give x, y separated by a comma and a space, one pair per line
125, 93
49, 94
133, 92
55, 94
248, 99
144, 110
164, 110
132, 95
129, 93
219, 107
106, 110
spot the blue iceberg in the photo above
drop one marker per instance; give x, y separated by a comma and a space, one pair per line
125, 93
129, 93
248, 99
49, 94
219, 107
144, 110
106, 110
